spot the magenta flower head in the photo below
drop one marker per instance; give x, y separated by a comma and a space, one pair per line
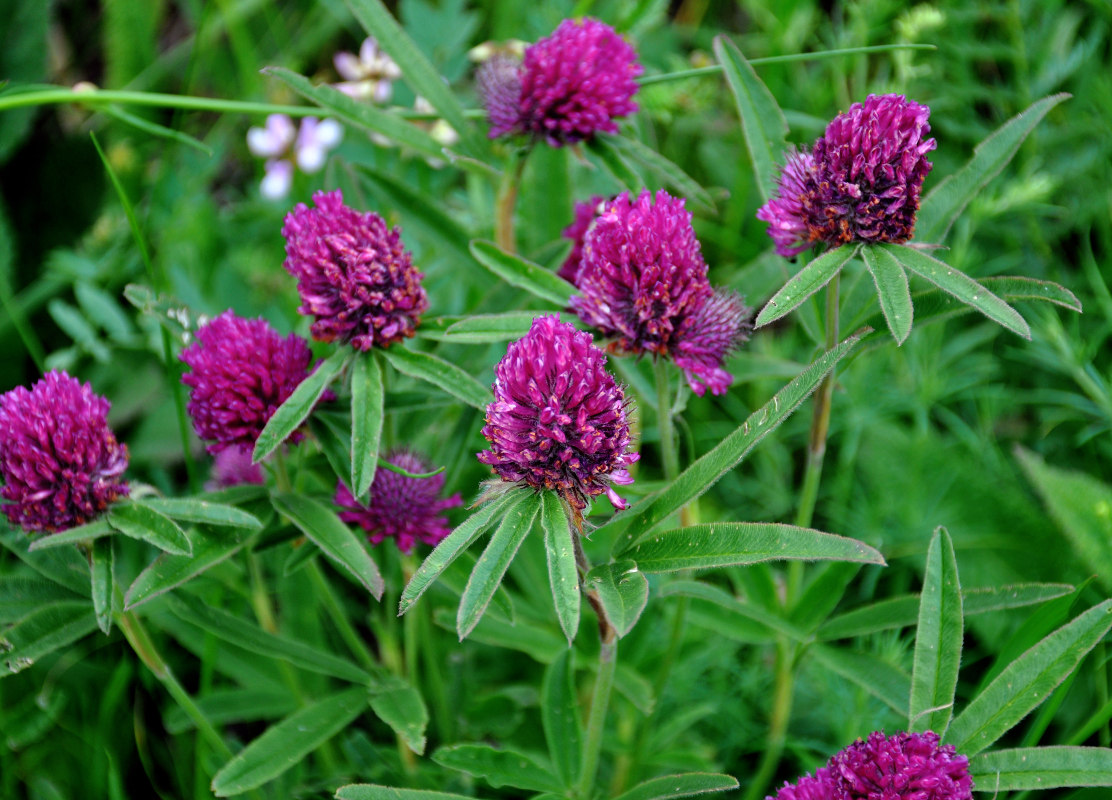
644, 283
241, 371
585, 213
60, 463
570, 86
352, 273
407, 510
810, 787
233, 466
861, 181
558, 420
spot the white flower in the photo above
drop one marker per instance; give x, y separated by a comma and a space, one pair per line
283, 145
368, 76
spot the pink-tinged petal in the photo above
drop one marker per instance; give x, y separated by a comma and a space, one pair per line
277, 179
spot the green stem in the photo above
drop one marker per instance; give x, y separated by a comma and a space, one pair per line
30, 340
339, 617
281, 471
596, 720
668, 455
144, 647
778, 720
506, 203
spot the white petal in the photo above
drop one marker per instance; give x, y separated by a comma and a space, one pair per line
329, 133
276, 183
310, 158
348, 66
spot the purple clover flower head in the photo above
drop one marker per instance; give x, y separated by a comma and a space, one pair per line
575, 82
498, 82
558, 420
644, 284
407, 510
241, 371
60, 463
819, 786
904, 766
233, 466
585, 213
353, 274
862, 182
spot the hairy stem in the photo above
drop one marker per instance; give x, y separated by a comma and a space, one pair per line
778, 720
506, 203
596, 720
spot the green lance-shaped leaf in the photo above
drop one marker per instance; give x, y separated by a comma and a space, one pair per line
805, 283
491, 567
318, 522
82, 533
618, 164
100, 571
887, 683
140, 521
440, 373
1041, 768
44, 631
1082, 507
65, 567
21, 594
284, 745
945, 202
902, 611
892, 290
666, 172
288, 417
938, 640
762, 121
204, 512
687, 784
563, 575
360, 115
533, 278
961, 286
503, 767
623, 592
727, 544
733, 612
563, 729
234, 630
371, 791
486, 328
455, 543
366, 421
169, 571
400, 706
1027, 682
646, 514
232, 706
419, 73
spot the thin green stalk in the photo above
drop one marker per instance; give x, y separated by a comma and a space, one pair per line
506, 203
778, 720
596, 719
339, 618
433, 677
668, 455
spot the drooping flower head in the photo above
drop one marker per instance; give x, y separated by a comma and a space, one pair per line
903, 766
233, 466
861, 182
60, 464
352, 273
558, 420
585, 213
407, 510
498, 82
644, 283
570, 86
241, 371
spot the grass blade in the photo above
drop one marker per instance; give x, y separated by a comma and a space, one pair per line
805, 283
938, 640
366, 421
1041, 768
299, 405
892, 290
523, 274
440, 373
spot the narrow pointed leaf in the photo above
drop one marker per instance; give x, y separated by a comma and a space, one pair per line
21, 595
1041, 768
371, 791
806, 282
563, 575
892, 290
286, 744
455, 576
400, 706
440, 373
499, 767
82, 533
334, 538
666, 172
230, 628
938, 640
491, 567
688, 784
140, 521
649, 512
945, 202
100, 569
883, 681
65, 567
533, 278
729, 606
169, 571
623, 591
961, 286
455, 543
231, 706
190, 509
46, 630
484, 328
726, 544
563, 729
1025, 683
366, 421
762, 121
288, 417
823, 592
617, 163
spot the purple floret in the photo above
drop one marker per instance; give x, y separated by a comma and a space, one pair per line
585, 214
903, 766
59, 461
